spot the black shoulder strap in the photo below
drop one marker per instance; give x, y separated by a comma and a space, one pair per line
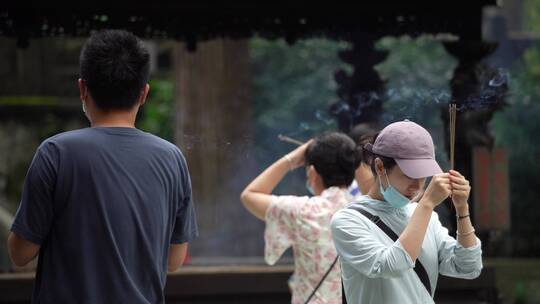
418, 268
322, 280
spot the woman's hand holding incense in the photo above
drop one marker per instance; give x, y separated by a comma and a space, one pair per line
438, 190
413, 235
460, 192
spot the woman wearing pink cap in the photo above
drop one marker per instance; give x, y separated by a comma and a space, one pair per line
391, 248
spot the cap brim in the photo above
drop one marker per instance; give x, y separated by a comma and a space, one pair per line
419, 168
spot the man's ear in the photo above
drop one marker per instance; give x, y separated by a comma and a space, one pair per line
83, 89
144, 94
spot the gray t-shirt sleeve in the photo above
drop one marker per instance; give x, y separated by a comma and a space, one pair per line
185, 224
34, 217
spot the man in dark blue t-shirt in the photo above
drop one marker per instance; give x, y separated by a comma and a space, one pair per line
108, 208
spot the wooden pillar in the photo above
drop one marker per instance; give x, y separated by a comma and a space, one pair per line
213, 129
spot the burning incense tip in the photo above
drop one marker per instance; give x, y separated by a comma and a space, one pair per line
289, 140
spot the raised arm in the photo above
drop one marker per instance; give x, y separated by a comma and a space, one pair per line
413, 236
256, 197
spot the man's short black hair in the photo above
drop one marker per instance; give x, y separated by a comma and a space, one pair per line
115, 66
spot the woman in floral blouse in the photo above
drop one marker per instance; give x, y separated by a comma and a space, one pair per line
303, 222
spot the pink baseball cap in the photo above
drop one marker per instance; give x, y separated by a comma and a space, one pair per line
410, 145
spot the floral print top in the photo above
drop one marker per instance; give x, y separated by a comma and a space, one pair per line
304, 223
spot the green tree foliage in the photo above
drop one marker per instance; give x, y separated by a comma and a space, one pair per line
293, 87
417, 73
158, 112
531, 15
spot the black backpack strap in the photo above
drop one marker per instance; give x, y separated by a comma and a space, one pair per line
322, 280
343, 298
418, 268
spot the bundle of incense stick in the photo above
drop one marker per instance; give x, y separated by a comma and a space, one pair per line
289, 140
452, 109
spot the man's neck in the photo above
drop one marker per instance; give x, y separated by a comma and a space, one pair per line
113, 124
114, 119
